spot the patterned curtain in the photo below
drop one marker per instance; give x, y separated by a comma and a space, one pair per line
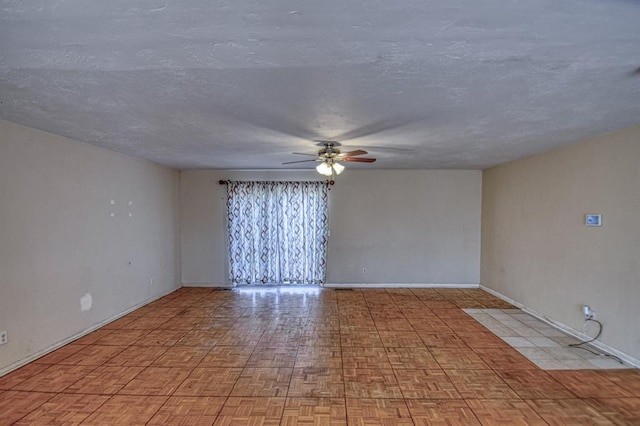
277, 232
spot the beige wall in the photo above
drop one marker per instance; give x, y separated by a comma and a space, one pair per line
59, 242
403, 226
537, 251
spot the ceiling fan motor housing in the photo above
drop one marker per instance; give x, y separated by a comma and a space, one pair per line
329, 151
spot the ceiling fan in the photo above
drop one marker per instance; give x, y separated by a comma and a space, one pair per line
330, 157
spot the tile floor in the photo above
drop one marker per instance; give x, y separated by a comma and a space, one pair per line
300, 355
544, 345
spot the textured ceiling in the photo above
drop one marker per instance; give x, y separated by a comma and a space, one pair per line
242, 84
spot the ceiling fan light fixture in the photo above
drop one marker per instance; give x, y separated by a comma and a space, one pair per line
339, 168
324, 169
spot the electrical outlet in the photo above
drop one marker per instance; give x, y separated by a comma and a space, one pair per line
364, 270
588, 312
3, 337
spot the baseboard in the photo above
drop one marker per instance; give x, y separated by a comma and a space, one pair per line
351, 285
399, 285
565, 328
207, 285
76, 336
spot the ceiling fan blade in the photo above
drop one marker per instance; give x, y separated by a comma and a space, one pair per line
355, 153
301, 161
304, 153
359, 160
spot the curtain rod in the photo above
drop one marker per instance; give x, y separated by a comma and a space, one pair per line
224, 182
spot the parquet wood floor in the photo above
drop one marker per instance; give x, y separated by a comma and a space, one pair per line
309, 356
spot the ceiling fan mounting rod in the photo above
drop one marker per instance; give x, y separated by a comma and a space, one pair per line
329, 150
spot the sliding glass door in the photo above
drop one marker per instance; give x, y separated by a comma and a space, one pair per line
277, 232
